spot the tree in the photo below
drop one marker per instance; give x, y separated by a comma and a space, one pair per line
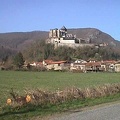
18, 60
48, 51
64, 53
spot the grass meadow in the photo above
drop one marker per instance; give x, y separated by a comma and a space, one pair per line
50, 81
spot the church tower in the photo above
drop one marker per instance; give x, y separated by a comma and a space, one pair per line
63, 32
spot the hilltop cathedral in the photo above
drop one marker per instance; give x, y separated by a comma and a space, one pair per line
60, 37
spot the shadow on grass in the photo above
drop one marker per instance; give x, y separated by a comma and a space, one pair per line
9, 111
26, 111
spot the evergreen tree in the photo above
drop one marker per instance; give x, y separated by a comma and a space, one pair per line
18, 60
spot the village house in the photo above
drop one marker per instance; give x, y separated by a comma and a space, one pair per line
33, 64
79, 65
117, 67
95, 66
86, 66
51, 65
104, 66
36, 64
54, 65
108, 65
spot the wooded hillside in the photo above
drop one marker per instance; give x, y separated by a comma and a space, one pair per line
10, 43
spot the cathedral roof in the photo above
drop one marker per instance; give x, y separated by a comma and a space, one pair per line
64, 28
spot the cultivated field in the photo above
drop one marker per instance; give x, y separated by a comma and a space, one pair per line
51, 81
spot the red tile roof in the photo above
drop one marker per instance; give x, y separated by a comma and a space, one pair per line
54, 62
93, 64
109, 62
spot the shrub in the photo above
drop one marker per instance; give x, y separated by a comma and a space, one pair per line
40, 97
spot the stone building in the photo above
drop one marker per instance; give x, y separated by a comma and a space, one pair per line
60, 37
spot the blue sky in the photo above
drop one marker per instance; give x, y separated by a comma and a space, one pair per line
31, 15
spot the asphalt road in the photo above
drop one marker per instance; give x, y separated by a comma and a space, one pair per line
104, 112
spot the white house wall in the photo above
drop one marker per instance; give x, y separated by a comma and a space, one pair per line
74, 45
117, 67
67, 41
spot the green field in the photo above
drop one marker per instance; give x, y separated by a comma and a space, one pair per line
20, 81
51, 81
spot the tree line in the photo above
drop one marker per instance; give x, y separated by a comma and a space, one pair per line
39, 51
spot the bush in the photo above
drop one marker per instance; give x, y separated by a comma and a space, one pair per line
40, 97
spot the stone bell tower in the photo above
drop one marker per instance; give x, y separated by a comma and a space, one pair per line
63, 32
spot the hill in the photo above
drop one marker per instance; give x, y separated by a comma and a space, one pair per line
95, 35
17, 41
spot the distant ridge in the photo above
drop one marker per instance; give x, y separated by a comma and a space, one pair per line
19, 40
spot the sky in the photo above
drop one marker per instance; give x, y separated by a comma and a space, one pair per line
43, 15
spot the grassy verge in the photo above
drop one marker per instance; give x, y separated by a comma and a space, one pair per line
29, 111
34, 109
